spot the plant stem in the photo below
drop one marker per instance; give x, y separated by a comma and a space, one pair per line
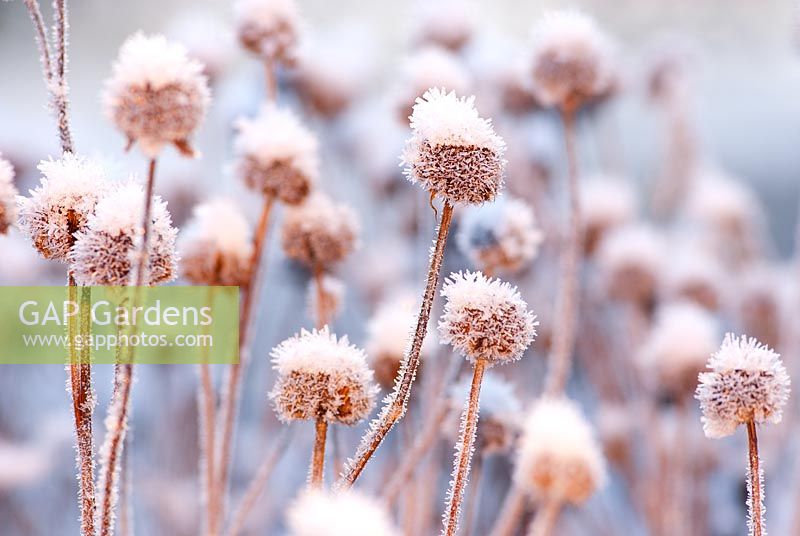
545, 519
513, 507
566, 321
60, 91
755, 492
145, 225
318, 455
398, 400
322, 298
206, 404
271, 80
473, 504
42, 42
464, 449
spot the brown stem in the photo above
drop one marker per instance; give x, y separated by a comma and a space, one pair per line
566, 320
511, 512
318, 455
545, 519
464, 451
755, 499
42, 42
271, 80
322, 298
206, 402
145, 225
60, 92
398, 400
472, 505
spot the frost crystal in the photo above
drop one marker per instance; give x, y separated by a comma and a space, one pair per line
747, 382
61, 204
345, 513
106, 251
216, 246
8, 194
454, 152
277, 155
485, 318
321, 376
268, 28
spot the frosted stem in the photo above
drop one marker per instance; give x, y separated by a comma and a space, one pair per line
755, 489
567, 314
145, 224
318, 455
396, 403
206, 403
472, 506
510, 514
545, 519
322, 298
42, 42
464, 449
60, 89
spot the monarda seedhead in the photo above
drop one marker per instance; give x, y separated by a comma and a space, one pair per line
62, 203
216, 245
345, 513
156, 95
485, 318
106, 250
276, 155
268, 28
606, 203
631, 262
319, 233
8, 194
454, 153
747, 382
320, 376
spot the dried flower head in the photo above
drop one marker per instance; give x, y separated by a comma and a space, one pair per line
630, 260
694, 274
723, 203
485, 318
321, 376
763, 295
216, 245
678, 346
345, 513
268, 28
501, 236
429, 67
606, 203
61, 204
571, 61
319, 233
747, 382
559, 457
207, 38
106, 250
454, 153
8, 194
277, 155
156, 94
448, 23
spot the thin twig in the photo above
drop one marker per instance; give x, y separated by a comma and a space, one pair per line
396, 405
545, 519
206, 404
42, 42
755, 492
60, 89
472, 506
318, 455
145, 225
322, 309
511, 512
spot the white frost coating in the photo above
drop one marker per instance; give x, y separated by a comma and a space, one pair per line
606, 202
8, 194
722, 202
430, 67
220, 226
269, 16
319, 351
346, 513
634, 245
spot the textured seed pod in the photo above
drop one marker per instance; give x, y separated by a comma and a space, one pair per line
426, 68
747, 382
631, 260
500, 237
268, 28
216, 245
559, 457
319, 233
321, 376
454, 153
449, 24
61, 204
571, 60
8, 194
106, 250
156, 95
485, 318
695, 275
345, 513
276, 155
763, 295
606, 203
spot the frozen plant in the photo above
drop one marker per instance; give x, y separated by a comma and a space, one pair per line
8, 194
425, 68
347, 513
607, 203
268, 28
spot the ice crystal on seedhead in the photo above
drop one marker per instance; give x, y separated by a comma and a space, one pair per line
268, 28
8, 194
156, 95
345, 513
571, 60
747, 382
485, 318
630, 260
216, 246
106, 251
454, 153
501, 236
277, 155
606, 203
319, 233
678, 346
426, 68
320, 375
61, 204
559, 457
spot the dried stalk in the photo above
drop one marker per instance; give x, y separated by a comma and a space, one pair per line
755, 483
141, 262
472, 506
564, 335
545, 519
42, 42
59, 89
206, 404
322, 309
397, 402
318, 455
510, 514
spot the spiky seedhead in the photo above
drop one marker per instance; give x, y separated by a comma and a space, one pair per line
485, 318
559, 458
8, 194
501, 236
696, 275
216, 245
449, 24
606, 203
345, 513
747, 382
156, 94
106, 250
320, 376
319, 233
62, 203
454, 153
276, 155
571, 60
268, 28
631, 260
